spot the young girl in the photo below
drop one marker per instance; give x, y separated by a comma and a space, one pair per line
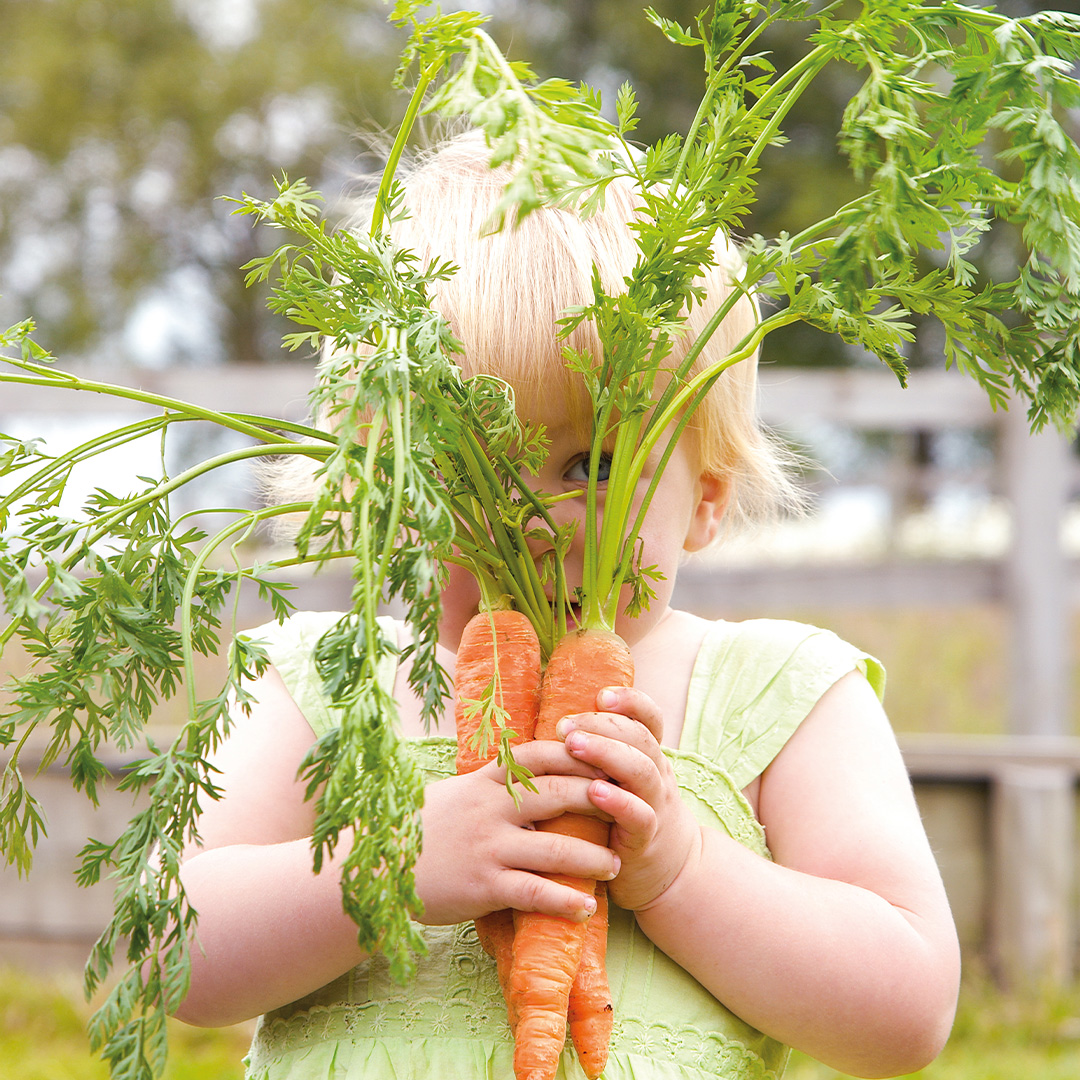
771, 882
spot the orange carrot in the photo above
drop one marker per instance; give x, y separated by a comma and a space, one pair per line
498, 652
548, 949
547, 952
590, 1011
499, 655
496, 933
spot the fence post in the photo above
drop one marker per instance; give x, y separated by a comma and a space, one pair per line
1033, 923
1032, 837
1036, 576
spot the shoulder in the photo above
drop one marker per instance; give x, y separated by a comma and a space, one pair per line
291, 646
755, 681
796, 648
842, 762
778, 658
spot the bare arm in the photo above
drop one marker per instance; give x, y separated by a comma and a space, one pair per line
270, 930
844, 946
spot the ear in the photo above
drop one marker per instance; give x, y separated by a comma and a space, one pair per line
714, 494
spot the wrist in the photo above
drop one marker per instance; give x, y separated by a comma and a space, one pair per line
668, 900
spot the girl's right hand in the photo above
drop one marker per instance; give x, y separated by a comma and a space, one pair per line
481, 853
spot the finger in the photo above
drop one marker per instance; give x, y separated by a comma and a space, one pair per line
634, 821
554, 853
544, 757
618, 761
614, 726
524, 891
551, 797
634, 704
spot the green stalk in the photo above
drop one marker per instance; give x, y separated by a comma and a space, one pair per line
509, 541
718, 74
304, 560
618, 536
814, 62
695, 125
684, 417
809, 235
382, 197
119, 436
91, 448
485, 558
364, 561
104, 523
594, 606
688, 389
234, 422
618, 501
400, 435
247, 523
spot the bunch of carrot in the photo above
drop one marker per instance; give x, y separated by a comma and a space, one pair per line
552, 970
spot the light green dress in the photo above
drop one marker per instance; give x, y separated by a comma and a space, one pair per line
752, 684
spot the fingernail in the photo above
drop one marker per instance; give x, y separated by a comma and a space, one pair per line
616, 868
590, 906
606, 699
575, 741
564, 727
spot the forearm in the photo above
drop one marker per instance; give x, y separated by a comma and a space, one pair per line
822, 965
269, 930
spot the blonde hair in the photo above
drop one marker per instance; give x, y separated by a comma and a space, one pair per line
512, 286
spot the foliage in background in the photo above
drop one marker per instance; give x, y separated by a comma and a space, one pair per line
593, 40
120, 125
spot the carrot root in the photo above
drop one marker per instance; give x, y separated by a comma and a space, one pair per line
548, 950
499, 654
590, 1011
499, 651
547, 953
496, 933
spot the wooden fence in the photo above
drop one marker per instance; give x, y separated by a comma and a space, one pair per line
1001, 811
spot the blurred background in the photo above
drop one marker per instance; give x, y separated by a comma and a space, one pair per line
943, 538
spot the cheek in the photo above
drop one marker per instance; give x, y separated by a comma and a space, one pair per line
633, 629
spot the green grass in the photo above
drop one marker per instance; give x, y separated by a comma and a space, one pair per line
43, 1036
996, 1037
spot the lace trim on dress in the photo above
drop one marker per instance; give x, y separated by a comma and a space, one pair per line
702, 781
710, 1053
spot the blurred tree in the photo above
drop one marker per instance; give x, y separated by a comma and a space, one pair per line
123, 121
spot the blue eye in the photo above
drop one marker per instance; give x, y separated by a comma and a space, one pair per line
579, 470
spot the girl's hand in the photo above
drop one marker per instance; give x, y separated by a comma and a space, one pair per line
653, 832
480, 848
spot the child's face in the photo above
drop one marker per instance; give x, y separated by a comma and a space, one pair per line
683, 516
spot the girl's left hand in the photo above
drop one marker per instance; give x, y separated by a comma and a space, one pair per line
653, 831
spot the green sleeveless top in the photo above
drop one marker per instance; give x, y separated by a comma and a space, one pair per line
753, 683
